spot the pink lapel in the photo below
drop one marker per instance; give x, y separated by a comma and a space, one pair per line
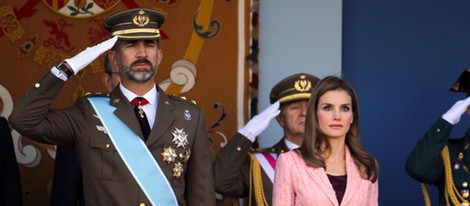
353, 179
322, 182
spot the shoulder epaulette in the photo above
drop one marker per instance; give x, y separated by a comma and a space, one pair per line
182, 98
263, 150
96, 94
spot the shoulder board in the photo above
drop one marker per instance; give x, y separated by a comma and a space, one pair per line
263, 150
266, 150
96, 94
182, 98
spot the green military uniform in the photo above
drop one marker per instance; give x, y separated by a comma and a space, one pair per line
426, 165
443, 161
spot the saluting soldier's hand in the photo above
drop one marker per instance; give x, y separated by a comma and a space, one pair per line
82, 59
455, 112
260, 122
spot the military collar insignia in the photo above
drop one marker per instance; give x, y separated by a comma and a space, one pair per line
187, 115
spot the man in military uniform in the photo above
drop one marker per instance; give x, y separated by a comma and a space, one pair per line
443, 161
67, 186
138, 146
240, 170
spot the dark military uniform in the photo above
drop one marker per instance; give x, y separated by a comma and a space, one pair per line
178, 140
106, 179
233, 169
237, 171
67, 186
425, 163
436, 157
10, 183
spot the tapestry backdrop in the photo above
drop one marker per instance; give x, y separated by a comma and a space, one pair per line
205, 45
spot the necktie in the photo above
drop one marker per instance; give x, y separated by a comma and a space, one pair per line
138, 102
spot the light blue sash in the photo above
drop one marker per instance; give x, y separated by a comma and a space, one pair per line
135, 154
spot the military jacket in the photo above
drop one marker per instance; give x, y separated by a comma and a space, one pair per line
425, 163
232, 168
106, 179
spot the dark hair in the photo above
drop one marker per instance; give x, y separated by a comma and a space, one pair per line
107, 67
316, 144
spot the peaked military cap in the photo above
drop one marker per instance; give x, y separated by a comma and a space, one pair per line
137, 23
292, 88
463, 83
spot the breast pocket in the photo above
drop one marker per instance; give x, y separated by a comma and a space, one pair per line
104, 159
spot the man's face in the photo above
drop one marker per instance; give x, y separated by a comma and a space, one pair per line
138, 60
292, 118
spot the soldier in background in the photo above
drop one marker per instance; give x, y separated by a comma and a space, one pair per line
442, 161
10, 182
242, 171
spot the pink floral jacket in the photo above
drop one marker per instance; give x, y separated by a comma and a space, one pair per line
296, 183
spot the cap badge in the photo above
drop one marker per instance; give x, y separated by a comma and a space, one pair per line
141, 19
302, 85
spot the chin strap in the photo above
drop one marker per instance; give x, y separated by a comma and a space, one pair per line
256, 182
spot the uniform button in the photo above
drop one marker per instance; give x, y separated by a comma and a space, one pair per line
239, 149
107, 146
142, 204
37, 85
464, 184
438, 130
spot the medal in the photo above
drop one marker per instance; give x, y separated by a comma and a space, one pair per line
177, 169
169, 155
180, 138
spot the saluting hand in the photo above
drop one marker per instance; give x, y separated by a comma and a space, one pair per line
260, 122
455, 112
82, 59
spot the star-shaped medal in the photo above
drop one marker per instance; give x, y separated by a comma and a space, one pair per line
177, 169
169, 154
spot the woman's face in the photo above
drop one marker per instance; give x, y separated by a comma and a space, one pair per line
334, 113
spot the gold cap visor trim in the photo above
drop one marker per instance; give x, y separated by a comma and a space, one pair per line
294, 97
127, 33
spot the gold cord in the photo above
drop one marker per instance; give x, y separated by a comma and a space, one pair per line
427, 201
256, 182
451, 191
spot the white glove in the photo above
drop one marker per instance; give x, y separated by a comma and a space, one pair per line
82, 59
260, 122
455, 112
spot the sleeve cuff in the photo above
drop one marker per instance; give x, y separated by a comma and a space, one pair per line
59, 74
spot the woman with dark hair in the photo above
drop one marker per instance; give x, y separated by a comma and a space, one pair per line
331, 167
